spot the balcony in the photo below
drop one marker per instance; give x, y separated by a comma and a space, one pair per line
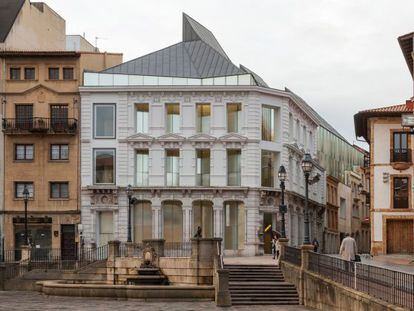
40, 126
400, 158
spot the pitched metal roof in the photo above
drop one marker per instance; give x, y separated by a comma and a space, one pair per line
199, 55
9, 9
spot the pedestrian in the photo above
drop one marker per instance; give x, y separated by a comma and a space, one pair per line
348, 250
274, 240
198, 234
315, 244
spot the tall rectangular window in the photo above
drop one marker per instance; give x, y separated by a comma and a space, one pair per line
142, 168
203, 118
104, 166
268, 168
59, 117
400, 151
19, 188
203, 167
15, 73
234, 118
104, 120
106, 227
53, 73
400, 192
172, 167
233, 167
24, 152
173, 118
24, 116
29, 73
59, 190
342, 208
142, 113
268, 123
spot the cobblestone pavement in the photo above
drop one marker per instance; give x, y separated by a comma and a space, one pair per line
34, 301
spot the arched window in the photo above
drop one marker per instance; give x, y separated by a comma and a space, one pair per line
142, 221
203, 217
173, 221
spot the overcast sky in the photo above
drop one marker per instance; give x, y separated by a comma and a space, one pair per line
341, 56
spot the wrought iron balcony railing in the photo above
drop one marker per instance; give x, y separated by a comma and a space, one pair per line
400, 155
40, 125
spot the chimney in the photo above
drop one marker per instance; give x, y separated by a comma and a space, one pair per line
409, 104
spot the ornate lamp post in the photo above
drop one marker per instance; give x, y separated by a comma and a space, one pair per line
282, 207
307, 166
129, 194
26, 199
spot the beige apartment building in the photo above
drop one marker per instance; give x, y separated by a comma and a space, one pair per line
40, 110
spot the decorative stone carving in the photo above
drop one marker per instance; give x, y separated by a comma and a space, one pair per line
104, 197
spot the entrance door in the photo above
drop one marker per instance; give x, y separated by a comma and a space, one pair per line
400, 235
267, 236
67, 242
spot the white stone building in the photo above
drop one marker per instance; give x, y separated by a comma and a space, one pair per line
200, 140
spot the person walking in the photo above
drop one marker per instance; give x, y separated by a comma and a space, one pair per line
348, 250
274, 242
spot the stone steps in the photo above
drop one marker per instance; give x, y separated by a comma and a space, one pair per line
260, 285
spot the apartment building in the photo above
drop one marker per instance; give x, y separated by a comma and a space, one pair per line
200, 141
40, 109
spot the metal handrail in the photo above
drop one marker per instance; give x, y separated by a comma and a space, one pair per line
40, 125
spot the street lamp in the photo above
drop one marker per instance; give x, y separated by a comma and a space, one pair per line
282, 207
307, 166
129, 194
25, 198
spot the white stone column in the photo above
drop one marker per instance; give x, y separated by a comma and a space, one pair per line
218, 218
187, 219
156, 219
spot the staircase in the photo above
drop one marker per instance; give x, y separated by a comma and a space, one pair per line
260, 285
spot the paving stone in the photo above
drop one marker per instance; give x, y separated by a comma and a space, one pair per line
34, 301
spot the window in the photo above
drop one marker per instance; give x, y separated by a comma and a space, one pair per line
59, 190
234, 230
203, 118
106, 228
268, 168
142, 221
173, 118
53, 73
142, 168
234, 118
342, 208
59, 152
173, 222
24, 116
29, 73
233, 167
14, 73
290, 127
172, 167
203, 167
24, 152
400, 151
400, 192
304, 138
67, 73
59, 117
142, 118
268, 123
104, 166
104, 120
19, 188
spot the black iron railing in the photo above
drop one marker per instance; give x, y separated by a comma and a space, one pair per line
11, 255
177, 249
391, 286
400, 155
40, 125
293, 255
130, 250
14, 270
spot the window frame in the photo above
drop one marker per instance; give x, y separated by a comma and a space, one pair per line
49, 71
136, 152
59, 183
199, 176
60, 152
136, 109
198, 120
404, 157
24, 183
274, 134
25, 158
34, 73
171, 131
239, 119
113, 105
11, 68
393, 196
94, 165
63, 73
172, 172
239, 179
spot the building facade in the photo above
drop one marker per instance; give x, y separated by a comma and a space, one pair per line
40, 110
200, 140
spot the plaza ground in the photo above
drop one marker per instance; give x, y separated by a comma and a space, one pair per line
34, 301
